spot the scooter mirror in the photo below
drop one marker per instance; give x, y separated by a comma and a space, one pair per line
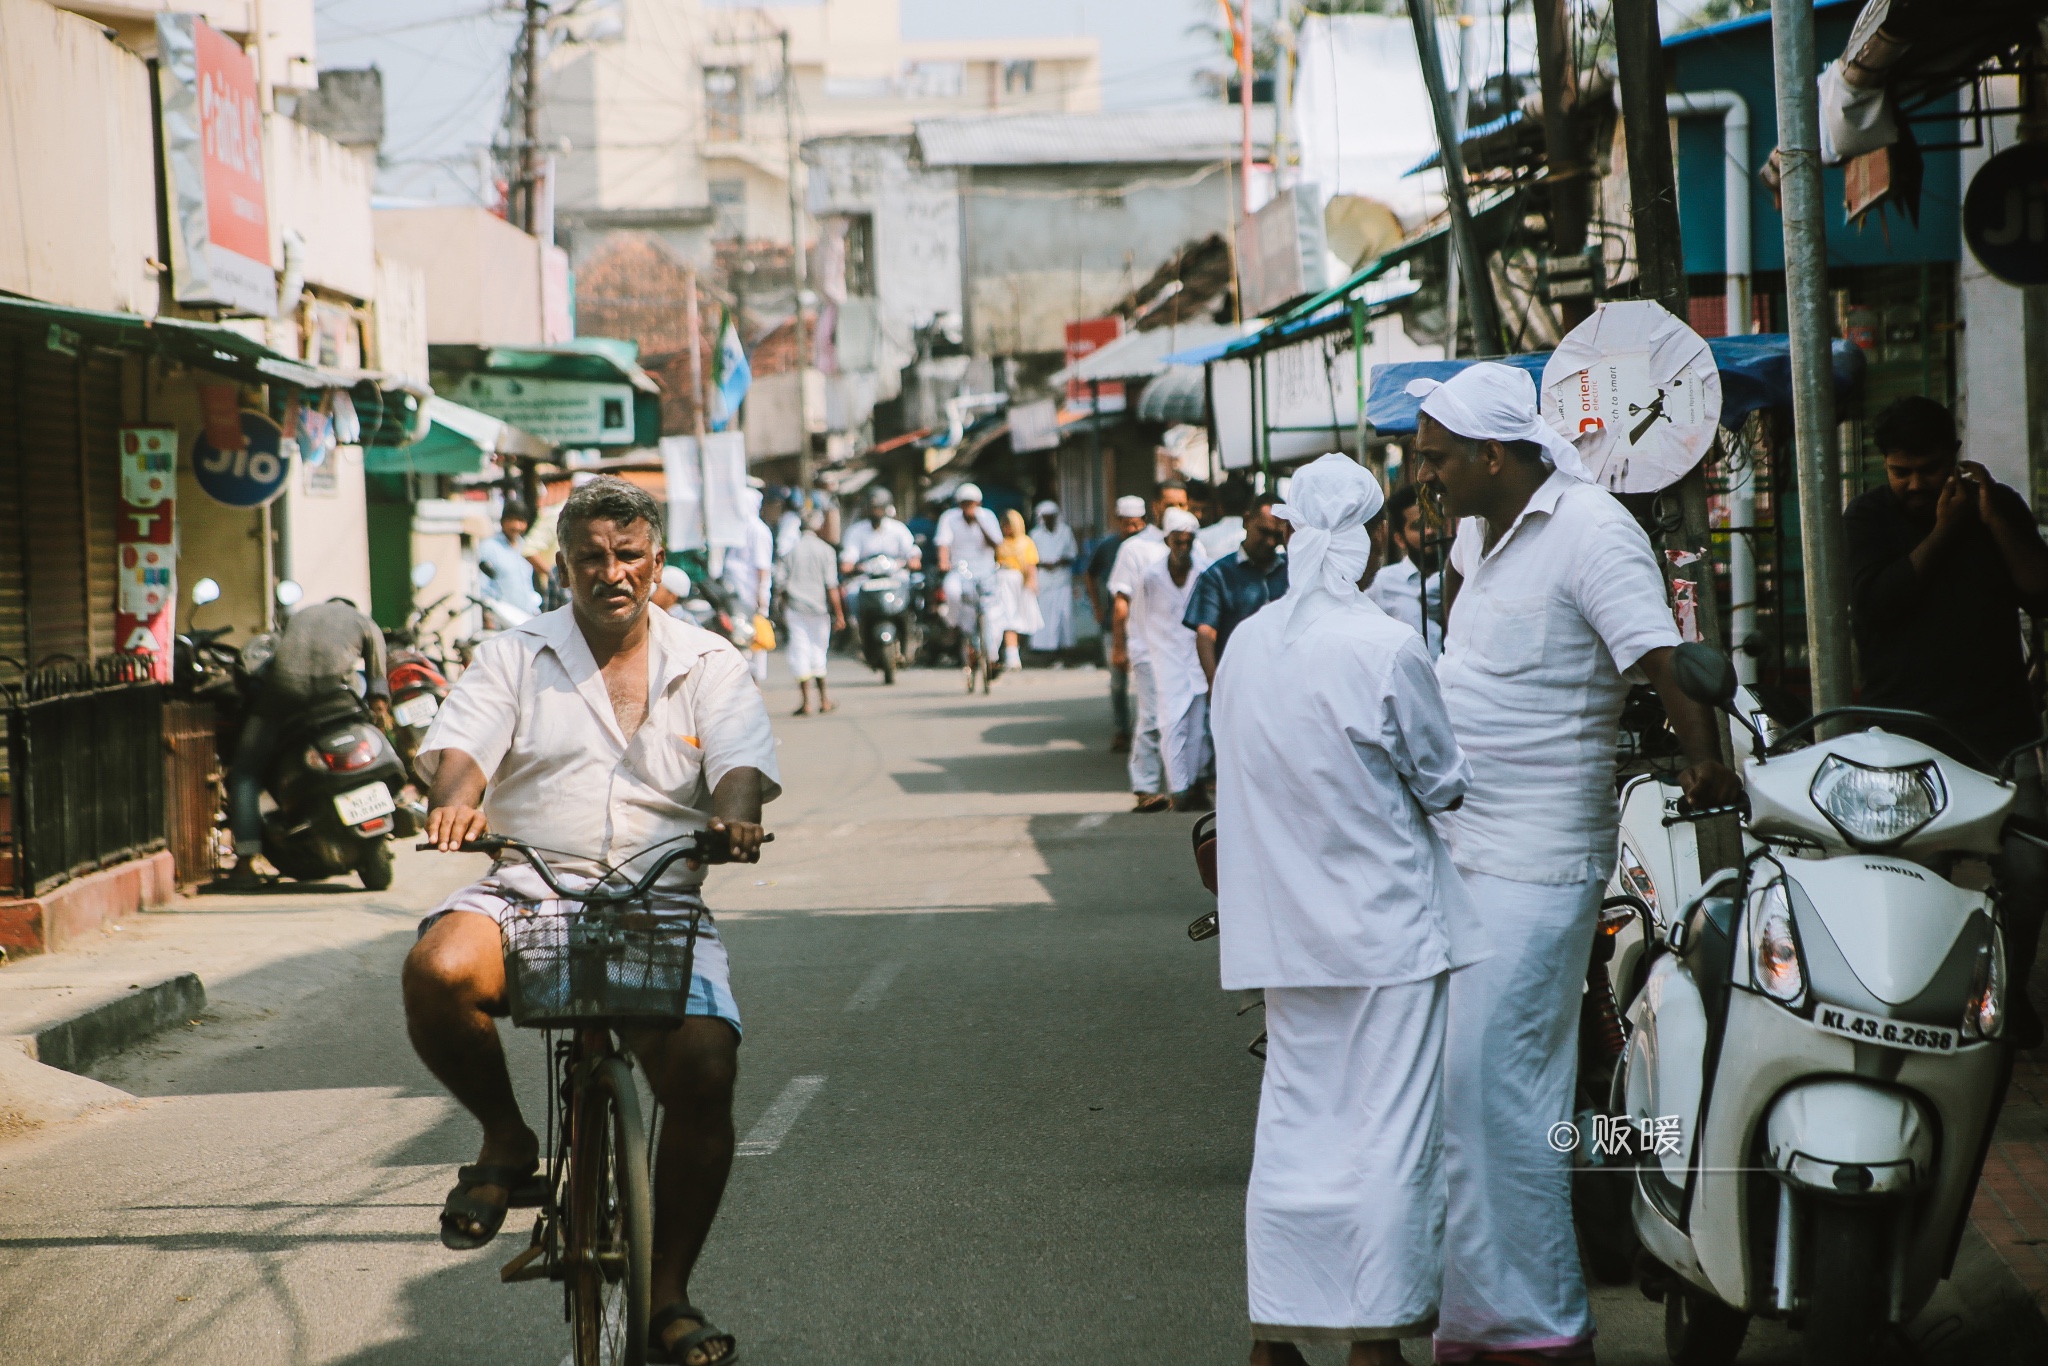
205, 591
1704, 674
423, 573
289, 593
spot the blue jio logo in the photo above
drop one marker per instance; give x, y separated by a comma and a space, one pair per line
2005, 214
249, 477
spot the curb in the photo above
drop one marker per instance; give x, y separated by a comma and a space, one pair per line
105, 1029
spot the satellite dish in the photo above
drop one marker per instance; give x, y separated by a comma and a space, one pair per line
1638, 393
1359, 229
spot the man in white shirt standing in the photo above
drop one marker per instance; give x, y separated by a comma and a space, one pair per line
966, 539
1179, 687
604, 730
1128, 650
1399, 587
1336, 898
1057, 551
749, 571
1557, 606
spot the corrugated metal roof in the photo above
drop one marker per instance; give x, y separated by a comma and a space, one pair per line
1198, 134
1141, 355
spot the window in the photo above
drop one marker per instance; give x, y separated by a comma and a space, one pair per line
933, 80
724, 103
1019, 77
860, 256
729, 207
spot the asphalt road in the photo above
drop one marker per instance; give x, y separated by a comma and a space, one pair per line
1000, 1111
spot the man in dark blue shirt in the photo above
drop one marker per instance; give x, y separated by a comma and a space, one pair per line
1238, 585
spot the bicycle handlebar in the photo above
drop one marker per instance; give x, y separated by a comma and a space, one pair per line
700, 847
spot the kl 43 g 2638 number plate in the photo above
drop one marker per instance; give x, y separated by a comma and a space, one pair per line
1854, 1024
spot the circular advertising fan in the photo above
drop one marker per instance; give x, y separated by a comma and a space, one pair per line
1637, 392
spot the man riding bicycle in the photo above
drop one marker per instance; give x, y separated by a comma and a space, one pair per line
601, 730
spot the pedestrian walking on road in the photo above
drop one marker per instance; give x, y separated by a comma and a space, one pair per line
1561, 602
1129, 521
601, 730
749, 572
1016, 586
1129, 650
1057, 551
1178, 687
812, 608
1335, 896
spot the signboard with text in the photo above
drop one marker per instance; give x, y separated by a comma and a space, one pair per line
2005, 214
213, 168
567, 412
250, 476
1084, 339
145, 606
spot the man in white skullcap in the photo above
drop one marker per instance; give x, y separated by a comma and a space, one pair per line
1335, 896
1056, 553
966, 539
1557, 607
1179, 688
1129, 650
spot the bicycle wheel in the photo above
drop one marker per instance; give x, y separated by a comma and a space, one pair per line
610, 1250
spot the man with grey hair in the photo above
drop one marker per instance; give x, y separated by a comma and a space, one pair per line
605, 731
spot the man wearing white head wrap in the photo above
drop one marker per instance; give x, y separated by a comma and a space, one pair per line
1056, 553
1557, 605
1336, 897
1128, 650
1171, 672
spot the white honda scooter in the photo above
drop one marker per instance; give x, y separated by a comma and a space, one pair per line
1813, 1060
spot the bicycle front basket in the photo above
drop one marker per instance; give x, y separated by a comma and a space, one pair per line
597, 967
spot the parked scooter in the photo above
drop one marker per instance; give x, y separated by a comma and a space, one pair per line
885, 613
418, 683
1813, 1059
335, 779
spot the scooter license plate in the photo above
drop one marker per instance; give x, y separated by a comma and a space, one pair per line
416, 711
1854, 1024
364, 804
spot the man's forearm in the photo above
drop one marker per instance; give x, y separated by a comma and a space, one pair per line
1119, 618
459, 781
738, 796
1205, 649
1693, 723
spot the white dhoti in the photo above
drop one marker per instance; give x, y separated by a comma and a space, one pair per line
1055, 610
1144, 762
1511, 1264
1184, 743
1344, 1217
810, 636
1016, 610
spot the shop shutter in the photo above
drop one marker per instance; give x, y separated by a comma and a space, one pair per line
13, 591
55, 496
102, 387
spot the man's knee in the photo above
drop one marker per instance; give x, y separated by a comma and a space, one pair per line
693, 1066
455, 963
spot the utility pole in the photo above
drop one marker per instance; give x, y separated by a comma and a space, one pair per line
1244, 95
1813, 379
1283, 98
799, 278
694, 324
529, 150
1566, 174
1487, 339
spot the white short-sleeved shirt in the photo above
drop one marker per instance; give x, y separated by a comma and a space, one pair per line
1398, 591
1332, 753
1544, 632
532, 710
1136, 555
864, 538
970, 549
1157, 608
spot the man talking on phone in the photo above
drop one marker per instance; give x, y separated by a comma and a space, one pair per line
1942, 560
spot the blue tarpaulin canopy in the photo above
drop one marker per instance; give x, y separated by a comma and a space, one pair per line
1756, 373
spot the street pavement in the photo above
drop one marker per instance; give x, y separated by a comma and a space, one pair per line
995, 1108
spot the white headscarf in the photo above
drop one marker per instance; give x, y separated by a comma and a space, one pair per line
1178, 519
1488, 401
1329, 502
1047, 506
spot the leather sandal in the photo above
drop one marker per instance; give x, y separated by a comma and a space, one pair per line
701, 1338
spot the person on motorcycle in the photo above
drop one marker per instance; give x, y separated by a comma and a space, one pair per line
1557, 603
878, 534
604, 730
318, 654
967, 540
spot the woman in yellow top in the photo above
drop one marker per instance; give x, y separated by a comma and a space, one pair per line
1016, 586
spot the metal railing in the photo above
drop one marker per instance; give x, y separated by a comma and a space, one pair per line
85, 771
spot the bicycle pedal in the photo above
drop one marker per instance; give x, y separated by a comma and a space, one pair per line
522, 1268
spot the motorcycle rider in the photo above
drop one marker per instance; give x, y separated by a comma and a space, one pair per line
317, 656
880, 534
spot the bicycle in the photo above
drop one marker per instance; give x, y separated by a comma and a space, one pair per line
588, 973
974, 654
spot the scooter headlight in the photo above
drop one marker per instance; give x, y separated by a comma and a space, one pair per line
1877, 806
1774, 946
1984, 1016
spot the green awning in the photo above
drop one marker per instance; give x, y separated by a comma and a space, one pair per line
456, 442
